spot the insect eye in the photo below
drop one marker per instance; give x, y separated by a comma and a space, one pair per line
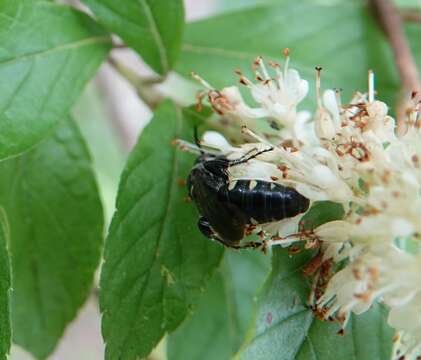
217, 167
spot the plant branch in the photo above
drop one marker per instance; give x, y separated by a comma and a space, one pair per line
390, 20
143, 85
119, 46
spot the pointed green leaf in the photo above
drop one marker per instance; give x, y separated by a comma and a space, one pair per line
156, 261
285, 329
153, 28
48, 52
5, 329
219, 324
284, 326
56, 225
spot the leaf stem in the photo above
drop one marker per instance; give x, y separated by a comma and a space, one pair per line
119, 46
143, 85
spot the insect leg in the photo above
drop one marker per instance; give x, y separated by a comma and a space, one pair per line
196, 139
248, 245
206, 229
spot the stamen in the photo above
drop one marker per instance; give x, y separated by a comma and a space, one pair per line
278, 77
318, 80
256, 63
370, 86
188, 147
338, 93
199, 100
286, 54
259, 77
274, 65
245, 130
263, 68
202, 81
243, 80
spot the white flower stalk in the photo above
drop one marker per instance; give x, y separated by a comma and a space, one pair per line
348, 154
327, 116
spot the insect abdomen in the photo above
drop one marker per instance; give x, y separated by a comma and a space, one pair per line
265, 201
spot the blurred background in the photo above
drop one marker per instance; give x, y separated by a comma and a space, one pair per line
111, 116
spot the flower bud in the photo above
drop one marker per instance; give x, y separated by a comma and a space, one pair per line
324, 126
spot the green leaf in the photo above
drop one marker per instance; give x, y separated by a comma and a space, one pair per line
410, 4
48, 52
5, 287
284, 326
219, 324
330, 36
56, 228
156, 261
222, 6
322, 212
153, 28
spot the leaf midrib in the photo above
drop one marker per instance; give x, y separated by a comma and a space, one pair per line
170, 194
68, 46
153, 28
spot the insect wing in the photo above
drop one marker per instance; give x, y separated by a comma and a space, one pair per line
226, 219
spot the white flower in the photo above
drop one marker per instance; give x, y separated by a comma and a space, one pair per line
304, 128
379, 272
324, 125
379, 122
277, 97
404, 317
216, 140
327, 116
337, 231
237, 107
348, 154
315, 175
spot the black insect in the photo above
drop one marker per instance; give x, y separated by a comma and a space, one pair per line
228, 210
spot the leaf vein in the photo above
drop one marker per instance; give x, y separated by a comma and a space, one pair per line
156, 35
69, 46
305, 331
311, 346
18, 88
53, 84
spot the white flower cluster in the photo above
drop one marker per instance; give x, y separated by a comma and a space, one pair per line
349, 154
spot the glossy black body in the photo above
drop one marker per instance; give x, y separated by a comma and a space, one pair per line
264, 201
226, 210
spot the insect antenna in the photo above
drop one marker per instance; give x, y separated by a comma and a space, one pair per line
196, 140
248, 157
